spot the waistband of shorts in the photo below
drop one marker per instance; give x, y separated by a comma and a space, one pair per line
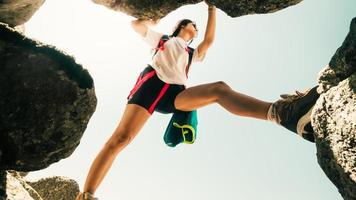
149, 68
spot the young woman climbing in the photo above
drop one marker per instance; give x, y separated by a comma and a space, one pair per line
161, 87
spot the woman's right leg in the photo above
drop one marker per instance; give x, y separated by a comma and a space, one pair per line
219, 92
131, 123
292, 111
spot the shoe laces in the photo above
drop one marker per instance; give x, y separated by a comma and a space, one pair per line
293, 97
285, 106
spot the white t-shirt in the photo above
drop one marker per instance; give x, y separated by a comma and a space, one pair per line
170, 64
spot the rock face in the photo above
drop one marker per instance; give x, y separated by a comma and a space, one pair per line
17, 12
46, 101
51, 188
237, 8
2, 184
58, 188
342, 64
334, 117
144, 8
15, 189
147, 9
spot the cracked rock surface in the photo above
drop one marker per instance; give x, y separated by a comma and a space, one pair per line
46, 101
147, 9
17, 12
334, 117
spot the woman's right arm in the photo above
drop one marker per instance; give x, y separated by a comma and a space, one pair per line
209, 31
140, 26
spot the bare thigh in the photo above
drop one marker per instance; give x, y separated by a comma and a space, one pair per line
133, 119
219, 92
196, 97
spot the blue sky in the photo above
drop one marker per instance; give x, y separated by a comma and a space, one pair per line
234, 157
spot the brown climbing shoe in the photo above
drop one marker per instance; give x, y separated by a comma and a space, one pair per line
86, 196
294, 112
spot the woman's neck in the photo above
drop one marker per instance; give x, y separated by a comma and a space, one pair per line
185, 36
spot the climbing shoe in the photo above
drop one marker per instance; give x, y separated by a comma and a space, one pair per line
86, 196
294, 112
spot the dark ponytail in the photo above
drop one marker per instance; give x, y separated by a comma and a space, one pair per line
182, 23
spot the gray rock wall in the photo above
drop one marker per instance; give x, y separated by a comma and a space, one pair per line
147, 9
237, 8
2, 185
15, 189
50, 188
334, 117
56, 187
17, 12
46, 101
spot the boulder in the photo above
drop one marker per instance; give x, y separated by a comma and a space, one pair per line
334, 118
50, 188
56, 187
17, 12
146, 9
46, 101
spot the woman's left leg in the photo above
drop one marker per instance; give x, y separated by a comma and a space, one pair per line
219, 92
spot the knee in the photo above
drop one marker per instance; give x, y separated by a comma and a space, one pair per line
220, 88
119, 139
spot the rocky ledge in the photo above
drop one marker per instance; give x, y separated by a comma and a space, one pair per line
334, 117
46, 101
146, 9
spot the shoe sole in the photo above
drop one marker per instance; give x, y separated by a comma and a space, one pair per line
303, 121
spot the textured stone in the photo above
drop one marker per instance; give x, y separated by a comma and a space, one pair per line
17, 12
46, 101
147, 9
58, 188
51, 188
237, 8
2, 184
342, 64
334, 118
19, 177
15, 190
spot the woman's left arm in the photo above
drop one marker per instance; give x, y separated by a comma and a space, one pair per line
209, 32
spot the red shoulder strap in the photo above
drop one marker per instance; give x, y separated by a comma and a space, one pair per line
160, 46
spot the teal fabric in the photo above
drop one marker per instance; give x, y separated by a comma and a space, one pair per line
182, 128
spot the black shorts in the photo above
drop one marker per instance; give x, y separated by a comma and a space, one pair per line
153, 94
